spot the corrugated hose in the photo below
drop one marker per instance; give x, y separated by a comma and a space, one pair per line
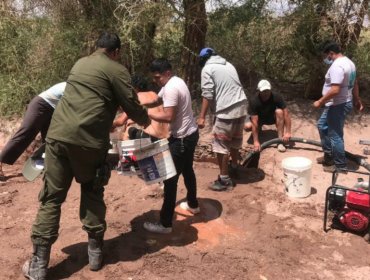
252, 157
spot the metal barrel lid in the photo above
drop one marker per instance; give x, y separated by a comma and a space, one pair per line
34, 165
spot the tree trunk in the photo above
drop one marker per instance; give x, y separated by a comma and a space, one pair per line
193, 41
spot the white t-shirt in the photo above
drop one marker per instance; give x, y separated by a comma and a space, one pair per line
53, 94
343, 73
176, 94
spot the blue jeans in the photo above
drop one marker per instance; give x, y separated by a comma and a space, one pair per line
330, 125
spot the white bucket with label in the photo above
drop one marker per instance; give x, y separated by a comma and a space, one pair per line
297, 176
128, 164
155, 162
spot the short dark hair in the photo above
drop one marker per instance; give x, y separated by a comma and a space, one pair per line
160, 65
331, 47
139, 82
108, 41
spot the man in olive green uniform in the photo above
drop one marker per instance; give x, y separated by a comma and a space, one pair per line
76, 146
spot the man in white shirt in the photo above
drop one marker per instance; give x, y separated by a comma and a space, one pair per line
177, 111
340, 88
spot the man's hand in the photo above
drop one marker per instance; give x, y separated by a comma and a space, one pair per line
286, 137
121, 120
358, 105
203, 113
317, 104
115, 124
153, 103
201, 123
330, 94
144, 126
113, 128
130, 122
257, 146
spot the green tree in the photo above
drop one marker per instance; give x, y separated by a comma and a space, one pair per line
318, 20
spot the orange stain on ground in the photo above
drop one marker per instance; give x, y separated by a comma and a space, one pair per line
211, 228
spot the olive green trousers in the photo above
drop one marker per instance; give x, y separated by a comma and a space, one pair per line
63, 162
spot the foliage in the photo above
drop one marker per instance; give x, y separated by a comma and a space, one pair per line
285, 47
42, 39
168, 42
361, 56
39, 47
256, 42
18, 54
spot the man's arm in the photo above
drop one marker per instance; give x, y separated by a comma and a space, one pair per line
120, 120
203, 112
208, 92
287, 125
356, 97
154, 103
333, 91
166, 115
127, 99
256, 142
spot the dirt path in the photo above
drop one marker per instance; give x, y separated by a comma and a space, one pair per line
252, 232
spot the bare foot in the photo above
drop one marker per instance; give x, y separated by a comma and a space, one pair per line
367, 237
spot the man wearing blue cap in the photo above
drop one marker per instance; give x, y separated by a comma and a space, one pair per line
223, 93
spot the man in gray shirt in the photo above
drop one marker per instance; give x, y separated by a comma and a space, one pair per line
224, 94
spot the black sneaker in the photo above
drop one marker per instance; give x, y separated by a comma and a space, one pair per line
157, 228
333, 168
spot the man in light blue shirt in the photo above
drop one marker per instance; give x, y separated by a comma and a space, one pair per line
36, 119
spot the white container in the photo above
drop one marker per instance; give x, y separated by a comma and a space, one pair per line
155, 162
297, 176
127, 160
361, 184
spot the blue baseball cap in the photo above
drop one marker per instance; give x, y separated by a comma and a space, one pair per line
206, 52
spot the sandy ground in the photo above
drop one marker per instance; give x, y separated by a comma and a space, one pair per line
254, 231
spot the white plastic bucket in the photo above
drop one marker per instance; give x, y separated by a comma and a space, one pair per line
155, 162
297, 176
127, 160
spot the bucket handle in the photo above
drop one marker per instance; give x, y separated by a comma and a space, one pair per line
144, 147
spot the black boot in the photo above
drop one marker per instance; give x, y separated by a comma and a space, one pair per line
95, 251
327, 160
36, 268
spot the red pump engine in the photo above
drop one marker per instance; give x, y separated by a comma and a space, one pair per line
351, 208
